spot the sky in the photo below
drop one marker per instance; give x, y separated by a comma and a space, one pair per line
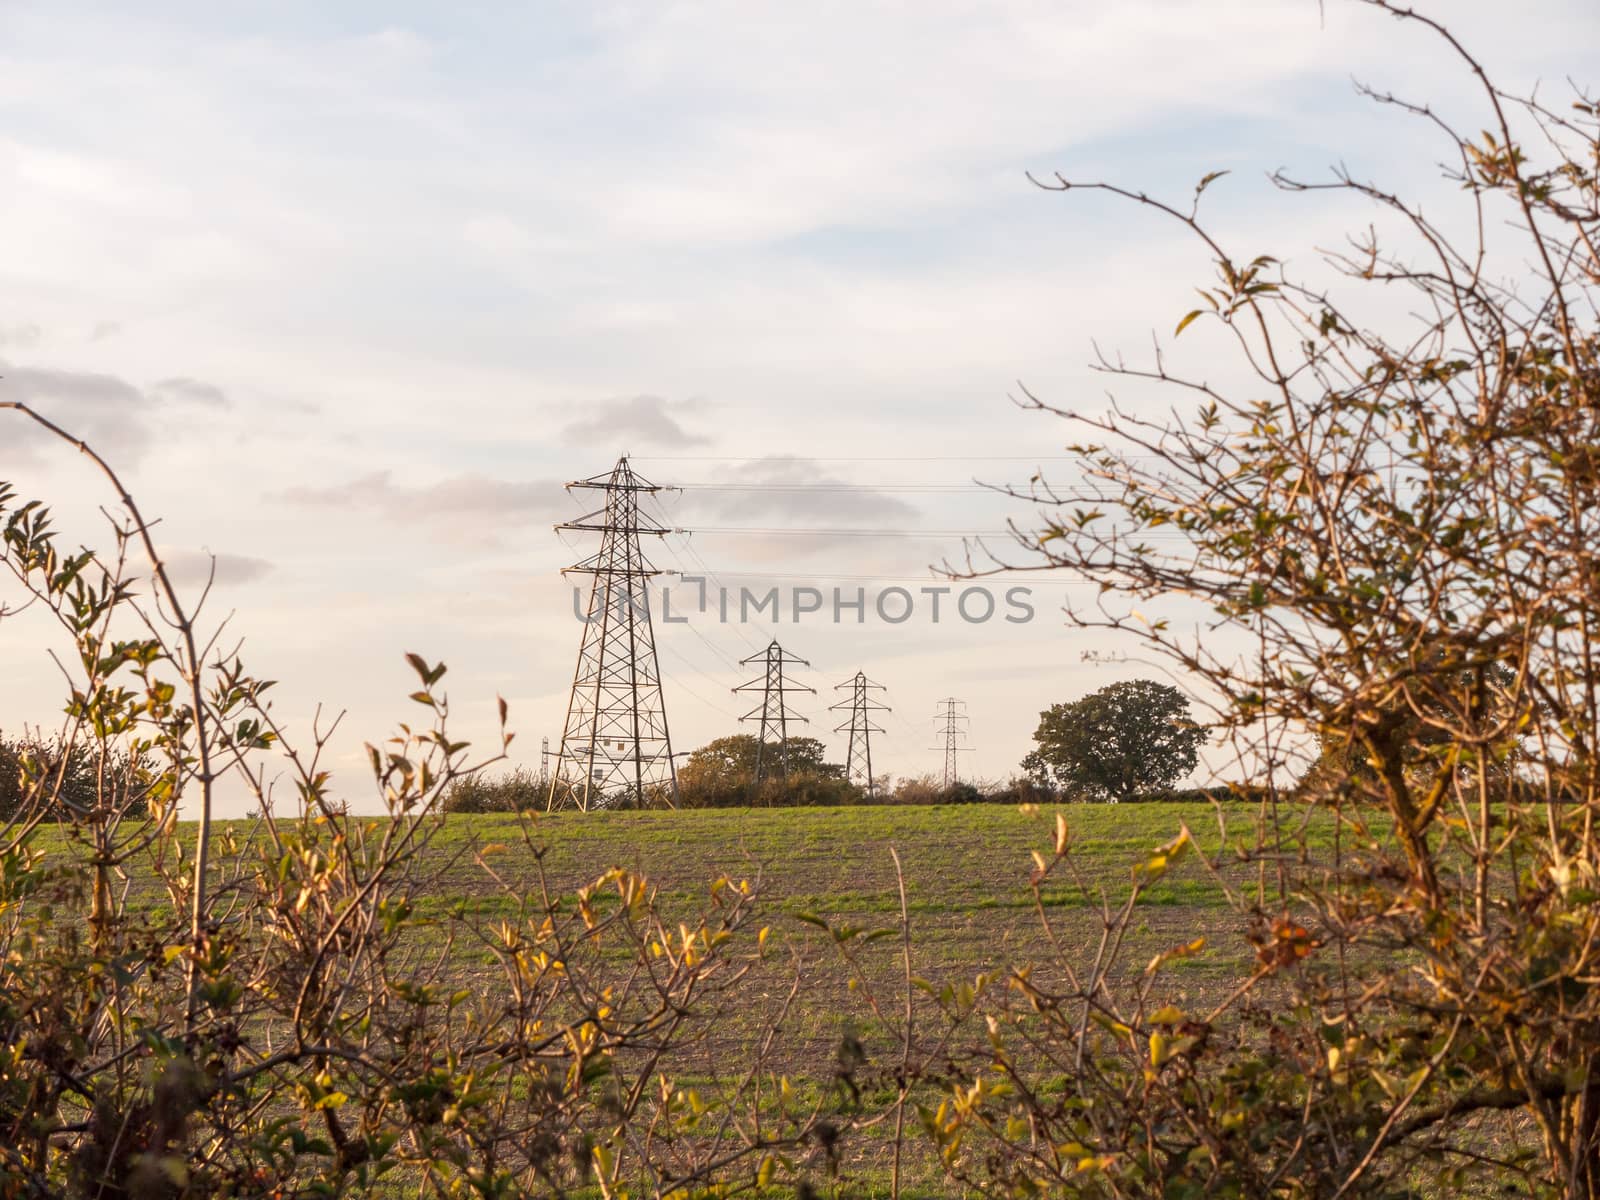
348, 291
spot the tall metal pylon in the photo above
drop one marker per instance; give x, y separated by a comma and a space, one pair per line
615, 747
773, 711
953, 733
858, 765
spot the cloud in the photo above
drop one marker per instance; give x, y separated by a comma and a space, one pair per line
635, 419
794, 489
109, 413
113, 416
192, 568
190, 391
458, 496
22, 335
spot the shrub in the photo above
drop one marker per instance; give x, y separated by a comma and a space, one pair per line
190, 1011
515, 791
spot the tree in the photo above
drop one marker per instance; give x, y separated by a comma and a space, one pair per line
1128, 738
1375, 527
67, 781
735, 757
722, 774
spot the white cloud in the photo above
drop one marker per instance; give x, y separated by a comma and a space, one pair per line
190, 391
193, 568
445, 500
109, 413
626, 420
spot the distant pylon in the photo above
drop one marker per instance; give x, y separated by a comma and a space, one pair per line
544, 764
615, 747
773, 711
953, 733
858, 768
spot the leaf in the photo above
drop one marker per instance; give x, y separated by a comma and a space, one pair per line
1184, 324
1166, 956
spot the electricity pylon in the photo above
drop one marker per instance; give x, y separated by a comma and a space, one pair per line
858, 765
953, 733
615, 748
773, 711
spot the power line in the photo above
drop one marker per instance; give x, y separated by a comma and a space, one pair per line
864, 489
686, 545
1130, 536
711, 646
704, 675
798, 458
768, 531
903, 578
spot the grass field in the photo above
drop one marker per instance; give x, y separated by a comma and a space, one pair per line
968, 901
966, 872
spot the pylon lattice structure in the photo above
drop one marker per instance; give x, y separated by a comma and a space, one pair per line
615, 747
858, 764
950, 726
772, 745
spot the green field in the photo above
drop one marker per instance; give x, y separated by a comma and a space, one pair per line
965, 868
968, 902
966, 873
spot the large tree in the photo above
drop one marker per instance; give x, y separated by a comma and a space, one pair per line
722, 773
1126, 739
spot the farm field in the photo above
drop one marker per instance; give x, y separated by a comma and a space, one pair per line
965, 869
966, 872
966, 875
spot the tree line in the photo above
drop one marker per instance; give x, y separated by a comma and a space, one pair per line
1126, 742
